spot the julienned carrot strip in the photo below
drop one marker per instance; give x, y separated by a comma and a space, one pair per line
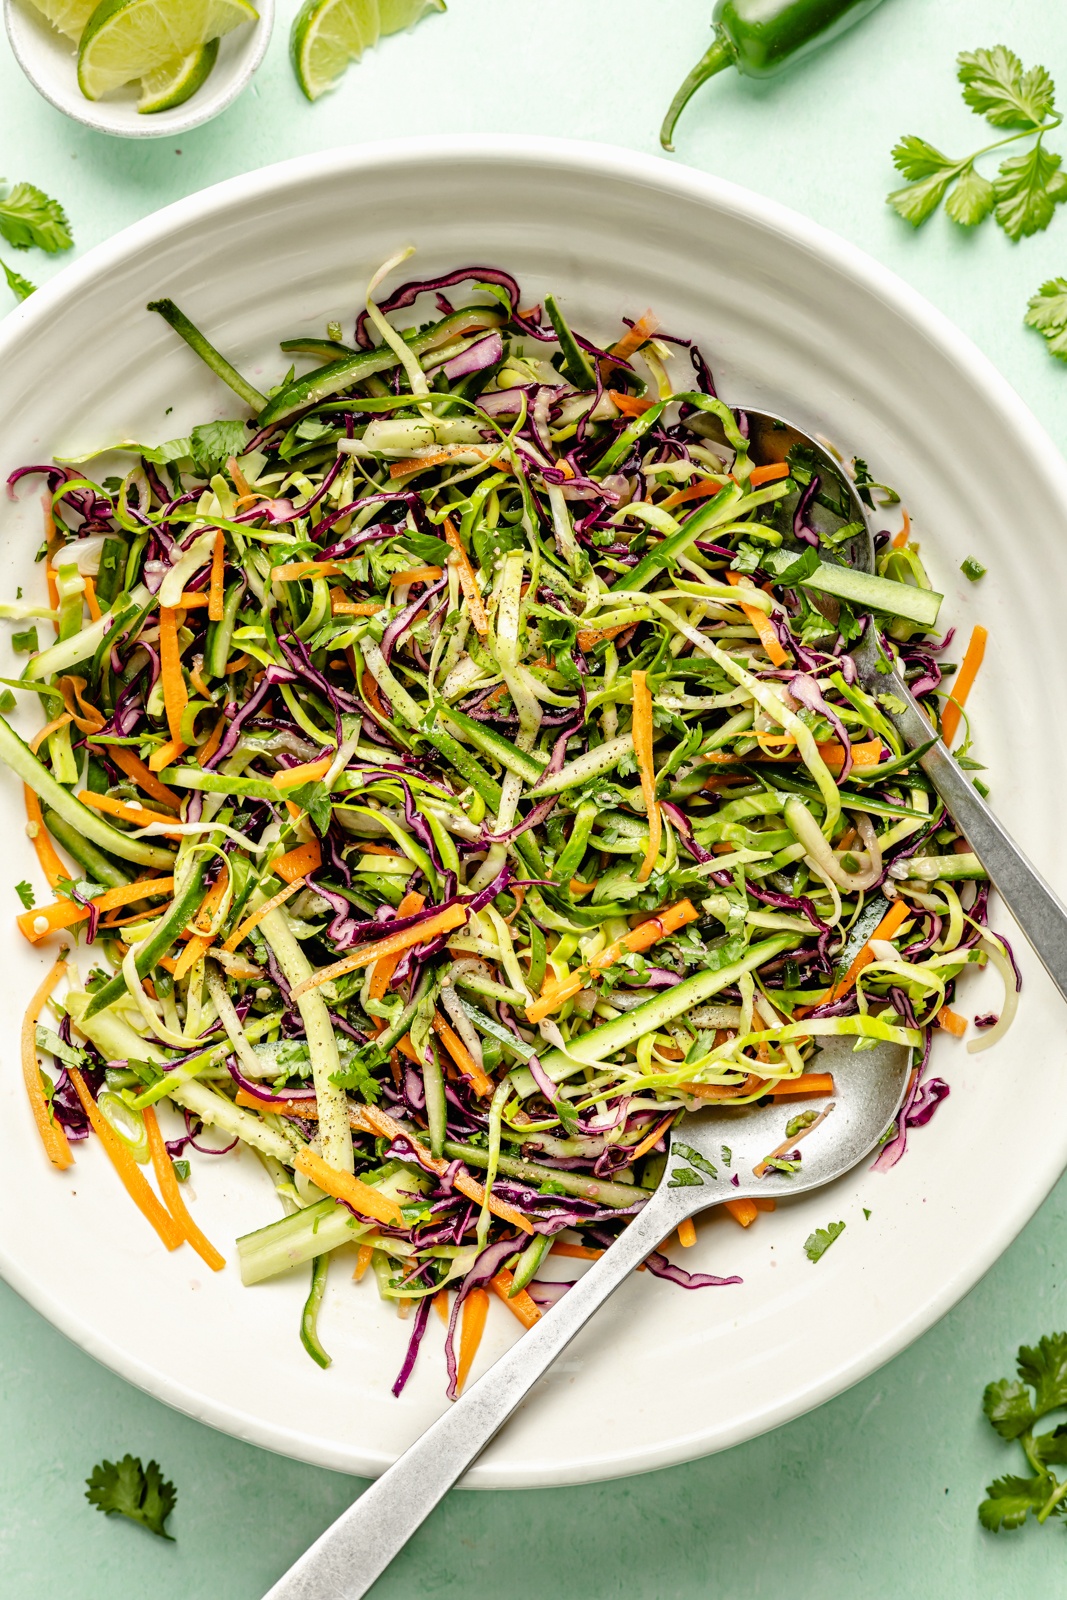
808, 1083
472, 1326
768, 474
652, 1138
175, 694
952, 1022
353, 1191
634, 337
90, 598
166, 755
629, 405
462, 1056
416, 575
277, 1105
245, 928
646, 933
341, 606
214, 739
588, 637
440, 1305
703, 489
363, 1258
468, 581
203, 938
127, 810
898, 912
385, 966
900, 539
298, 862
765, 1205
134, 768
135, 1184
642, 736
520, 1305
166, 1177
216, 591
309, 772
743, 1211
972, 660
580, 1252
687, 1232
451, 917
67, 913
52, 1136
762, 624
374, 1120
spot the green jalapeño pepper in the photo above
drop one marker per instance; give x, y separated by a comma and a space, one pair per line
760, 37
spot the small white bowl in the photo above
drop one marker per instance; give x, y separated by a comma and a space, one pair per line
50, 61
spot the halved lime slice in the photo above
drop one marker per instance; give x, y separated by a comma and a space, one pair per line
68, 16
128, 39
172, 85
396, 15
326, 36
329, 34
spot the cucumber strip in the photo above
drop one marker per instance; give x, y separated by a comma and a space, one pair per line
61, 657
496, 1030
337, 375
109, 574
527, 767
622, 446
220, 783
25, 765
929, 869
159, 940
293, 1240
208, 354
309, 1317
657, 1012
334, 1129
220, 634
529, 1261
575, 366
868, 592
98, 867
617, 1195
675, 544
436, 1107
571, 857
593, 764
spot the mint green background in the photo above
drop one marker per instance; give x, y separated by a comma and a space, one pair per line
875, 1493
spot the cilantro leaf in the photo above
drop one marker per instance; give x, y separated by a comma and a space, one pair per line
314, 798
1007, 1405
817, 1243
1044, 1367
1028, 189
24, 890
213, 443
28, 216
971, 200
995, 85
1051, 1448
1047, 312
1010, 1501
920, 200
20, 287
128, 1489
917, 159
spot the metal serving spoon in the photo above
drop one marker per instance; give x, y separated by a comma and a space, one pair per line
1040, 914
708, 1149
869, 1087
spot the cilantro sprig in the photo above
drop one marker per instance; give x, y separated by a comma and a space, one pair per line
126, 1488
1027, 188
1014, 1406
29, 217
1047, 312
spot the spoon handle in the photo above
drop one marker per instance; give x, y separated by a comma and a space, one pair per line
344, 1562
1038, 911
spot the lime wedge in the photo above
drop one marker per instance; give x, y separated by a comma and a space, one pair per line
68, 16
396, 15
329, 34
172, 85
128, 39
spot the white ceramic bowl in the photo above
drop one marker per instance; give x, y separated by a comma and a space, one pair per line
50, 61
793, 319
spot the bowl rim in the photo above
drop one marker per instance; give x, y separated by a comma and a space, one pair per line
611, 162
162, 124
